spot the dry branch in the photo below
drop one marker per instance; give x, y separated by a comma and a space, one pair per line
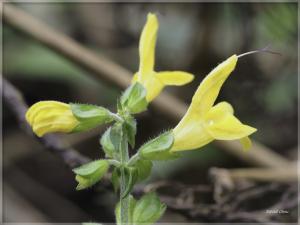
283, 175
259, 155
286, 174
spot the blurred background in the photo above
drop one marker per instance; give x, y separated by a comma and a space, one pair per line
193, 37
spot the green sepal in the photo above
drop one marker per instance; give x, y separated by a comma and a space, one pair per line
131, 177
89, 174
110, 141
130, 129
148, 209
158, 148
143, 168
134, 98
131, 206
90, 116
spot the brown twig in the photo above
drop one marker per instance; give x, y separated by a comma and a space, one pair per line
103, 68
259, 155
286, 174
282, 175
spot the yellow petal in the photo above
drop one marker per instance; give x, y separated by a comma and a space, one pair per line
152, 85
229, 128
218, 112
155, 83
209, 88
177, 78
54, 121
190, 134
47, 115
43, 105
147, 47
246, 143
51, 116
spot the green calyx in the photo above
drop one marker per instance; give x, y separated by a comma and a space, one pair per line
110, 141
90, 116
89, 174
158, 148
134, 99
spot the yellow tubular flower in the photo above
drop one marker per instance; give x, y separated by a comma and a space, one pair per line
154, 82
204, 122
51, 116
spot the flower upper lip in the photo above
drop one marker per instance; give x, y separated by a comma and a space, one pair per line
153, 81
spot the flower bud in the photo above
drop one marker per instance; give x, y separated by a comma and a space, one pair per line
51, 116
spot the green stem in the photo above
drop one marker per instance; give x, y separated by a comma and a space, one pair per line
124, 202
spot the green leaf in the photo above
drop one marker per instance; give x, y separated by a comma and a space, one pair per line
90, 116
145, 211
90, 173
148, 209
130, 179
143, 169
130, 129
110, 141
158, 148
131, 205
134, 98
115, 179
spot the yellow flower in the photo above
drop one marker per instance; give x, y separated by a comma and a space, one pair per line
51, 116
204, 122
154, 82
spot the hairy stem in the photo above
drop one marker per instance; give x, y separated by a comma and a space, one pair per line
124, 202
